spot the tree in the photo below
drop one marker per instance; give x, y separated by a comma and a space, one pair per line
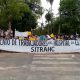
51, 3
48, 17
12, 10
70, 14
35, 6
27, 22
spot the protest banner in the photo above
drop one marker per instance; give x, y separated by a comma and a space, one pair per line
53, 46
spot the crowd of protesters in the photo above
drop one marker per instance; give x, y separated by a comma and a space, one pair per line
8, 34
51, 36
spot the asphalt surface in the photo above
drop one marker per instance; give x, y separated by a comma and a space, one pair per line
26, 66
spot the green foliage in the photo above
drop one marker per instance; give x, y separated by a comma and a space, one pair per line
27, 22
33, 1
35, 6
18, 13
49, 17
69, 20
12, 10
70, 14
39, 31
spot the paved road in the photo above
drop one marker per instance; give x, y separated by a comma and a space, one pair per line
15, 66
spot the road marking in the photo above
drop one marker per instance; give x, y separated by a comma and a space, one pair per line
52, 58
6, 68
54, 62
44, 60
73, 56
52, 55
33, 68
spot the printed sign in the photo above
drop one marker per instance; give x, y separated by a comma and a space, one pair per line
51, 46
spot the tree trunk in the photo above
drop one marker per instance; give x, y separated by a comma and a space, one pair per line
51, 18
59, 29
11, 30
9, 25
51, 8
48, 28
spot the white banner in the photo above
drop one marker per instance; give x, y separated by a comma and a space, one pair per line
22, 34
51, 46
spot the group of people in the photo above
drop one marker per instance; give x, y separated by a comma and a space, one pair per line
8, 34
49, 37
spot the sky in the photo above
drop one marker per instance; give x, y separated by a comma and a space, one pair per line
46, 5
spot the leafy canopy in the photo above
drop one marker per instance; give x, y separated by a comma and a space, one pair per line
70, 15
12, 10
